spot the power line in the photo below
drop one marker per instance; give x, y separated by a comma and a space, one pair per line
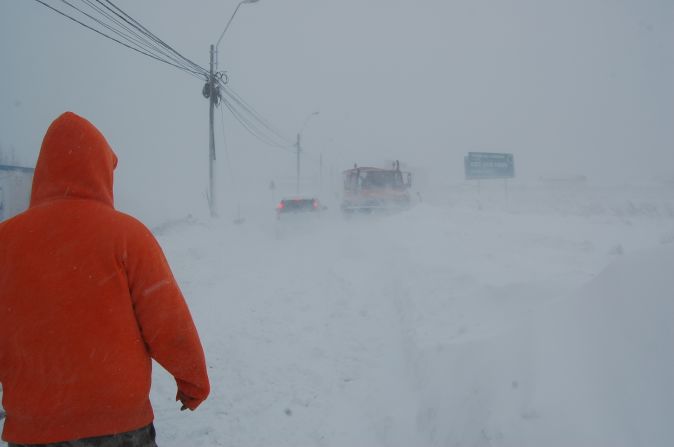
249, 125
126, 17
180, 67
158, 45
252, 112
137, 37
252, 129
262, 130
248, 116
132, 40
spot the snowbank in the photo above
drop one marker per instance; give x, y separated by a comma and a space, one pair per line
605, 359
591, 369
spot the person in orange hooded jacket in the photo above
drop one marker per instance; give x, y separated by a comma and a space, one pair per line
87, 299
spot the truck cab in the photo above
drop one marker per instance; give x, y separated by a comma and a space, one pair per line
371, 189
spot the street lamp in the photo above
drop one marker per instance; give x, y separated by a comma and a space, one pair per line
227, 27
212, 92
298, 146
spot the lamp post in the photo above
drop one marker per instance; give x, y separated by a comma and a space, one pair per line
212, 92
227, 26
298, 146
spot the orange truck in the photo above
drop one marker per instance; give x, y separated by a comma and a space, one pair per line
370, 190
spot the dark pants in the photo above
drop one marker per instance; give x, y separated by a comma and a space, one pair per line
143, 437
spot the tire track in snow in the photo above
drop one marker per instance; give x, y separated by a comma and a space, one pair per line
372, 337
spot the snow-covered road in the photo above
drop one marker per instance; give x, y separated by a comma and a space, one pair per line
461, 322
430, 327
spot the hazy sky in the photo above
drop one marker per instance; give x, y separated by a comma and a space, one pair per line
569, 86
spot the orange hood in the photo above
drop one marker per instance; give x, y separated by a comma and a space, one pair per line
75, 161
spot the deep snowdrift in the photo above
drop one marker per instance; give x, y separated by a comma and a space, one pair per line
605, 358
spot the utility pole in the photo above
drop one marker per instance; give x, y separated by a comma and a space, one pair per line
299, 149
320, 174
211, 91
213, 97
298, 146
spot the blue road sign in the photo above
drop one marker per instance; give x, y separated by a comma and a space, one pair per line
485, 165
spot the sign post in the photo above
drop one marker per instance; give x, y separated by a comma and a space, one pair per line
489, 165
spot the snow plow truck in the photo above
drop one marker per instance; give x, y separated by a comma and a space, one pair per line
369, 190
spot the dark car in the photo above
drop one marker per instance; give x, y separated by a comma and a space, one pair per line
297, 205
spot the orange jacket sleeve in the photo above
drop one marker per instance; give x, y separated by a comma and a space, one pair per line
163, 316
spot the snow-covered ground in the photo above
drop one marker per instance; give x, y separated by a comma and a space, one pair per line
544, 317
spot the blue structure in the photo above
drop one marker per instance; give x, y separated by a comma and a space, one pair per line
15, 186
489, 165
